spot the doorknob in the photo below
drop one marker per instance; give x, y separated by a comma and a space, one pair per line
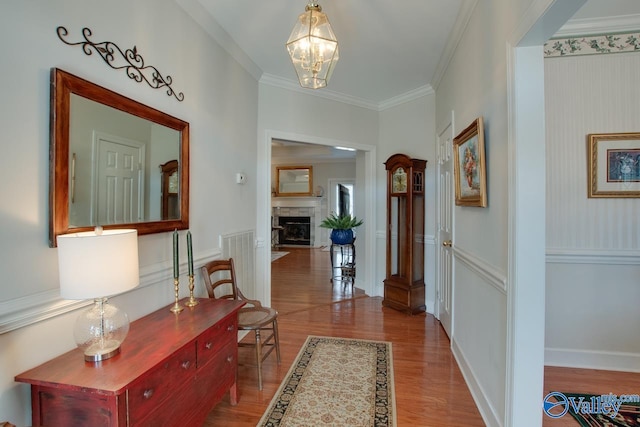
447, 243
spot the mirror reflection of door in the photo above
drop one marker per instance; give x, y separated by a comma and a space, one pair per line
118, 195
345, 200
170, 190
341, 196
162, 143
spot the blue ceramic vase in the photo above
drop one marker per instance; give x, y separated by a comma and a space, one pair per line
342, 237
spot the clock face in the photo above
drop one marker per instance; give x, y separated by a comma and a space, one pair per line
399, 181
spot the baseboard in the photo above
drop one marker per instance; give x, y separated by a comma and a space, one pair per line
591, 359
431, 307
487, 411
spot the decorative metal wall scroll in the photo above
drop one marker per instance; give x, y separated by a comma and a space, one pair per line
130, 60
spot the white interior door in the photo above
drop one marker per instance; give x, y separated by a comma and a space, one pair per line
444, 292
118, 195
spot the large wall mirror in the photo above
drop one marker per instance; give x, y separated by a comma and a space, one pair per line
294, 181
114, 162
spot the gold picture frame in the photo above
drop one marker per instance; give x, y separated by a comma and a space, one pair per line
613, 165
469, 166
294, 181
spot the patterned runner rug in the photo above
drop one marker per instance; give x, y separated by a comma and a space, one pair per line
336, 382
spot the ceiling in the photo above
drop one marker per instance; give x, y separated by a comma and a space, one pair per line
389, 50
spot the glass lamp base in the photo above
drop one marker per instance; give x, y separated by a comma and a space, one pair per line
102, 351
100, 331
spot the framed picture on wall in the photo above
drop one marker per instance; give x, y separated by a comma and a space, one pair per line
614, 165
469, 166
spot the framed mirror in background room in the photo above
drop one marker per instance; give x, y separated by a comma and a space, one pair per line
114, 162
294, 181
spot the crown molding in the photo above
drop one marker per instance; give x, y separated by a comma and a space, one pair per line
202, 16
406, 97
452, 41
272, 80
593, 26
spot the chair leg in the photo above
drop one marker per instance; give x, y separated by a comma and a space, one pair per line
259, 357
276, 338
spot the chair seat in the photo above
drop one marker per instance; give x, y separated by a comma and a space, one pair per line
255, 317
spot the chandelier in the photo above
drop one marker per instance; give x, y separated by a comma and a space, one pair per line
313, 47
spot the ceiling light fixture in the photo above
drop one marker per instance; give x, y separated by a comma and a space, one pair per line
313, 47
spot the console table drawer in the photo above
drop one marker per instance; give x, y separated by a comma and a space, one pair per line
216, 338
172, 370
161, 382
214, 378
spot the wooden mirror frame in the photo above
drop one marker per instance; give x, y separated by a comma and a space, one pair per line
64, 84
309, 191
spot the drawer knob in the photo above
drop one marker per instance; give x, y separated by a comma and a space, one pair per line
230, 358
148, 393
186, 364
208, 345
230, 328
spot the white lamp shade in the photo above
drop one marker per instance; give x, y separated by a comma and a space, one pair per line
94, 265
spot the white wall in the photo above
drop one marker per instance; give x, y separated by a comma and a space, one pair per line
297, 116
497, 334
475, 85
220, 105
409, 129
593, 245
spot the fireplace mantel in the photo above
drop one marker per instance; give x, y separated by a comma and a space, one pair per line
296, 202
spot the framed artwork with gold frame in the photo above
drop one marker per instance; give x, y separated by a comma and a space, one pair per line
614, 165
469, 166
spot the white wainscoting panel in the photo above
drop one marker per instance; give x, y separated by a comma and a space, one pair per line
241, 246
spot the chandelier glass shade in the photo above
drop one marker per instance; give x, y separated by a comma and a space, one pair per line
313, 47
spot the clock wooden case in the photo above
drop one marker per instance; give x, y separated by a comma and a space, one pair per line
404, 287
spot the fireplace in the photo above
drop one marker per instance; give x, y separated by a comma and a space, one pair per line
296, 230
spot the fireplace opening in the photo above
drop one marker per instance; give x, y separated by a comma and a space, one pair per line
296, 230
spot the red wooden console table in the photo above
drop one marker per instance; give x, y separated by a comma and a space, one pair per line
172, 370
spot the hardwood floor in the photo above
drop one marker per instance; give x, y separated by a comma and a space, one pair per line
430, 390
588, 381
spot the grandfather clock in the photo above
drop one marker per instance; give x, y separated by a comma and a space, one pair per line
404, 282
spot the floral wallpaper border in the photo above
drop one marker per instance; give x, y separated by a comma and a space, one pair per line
592, 45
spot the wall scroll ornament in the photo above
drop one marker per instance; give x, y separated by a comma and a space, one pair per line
130, 60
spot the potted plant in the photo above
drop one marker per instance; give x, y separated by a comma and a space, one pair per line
342, 227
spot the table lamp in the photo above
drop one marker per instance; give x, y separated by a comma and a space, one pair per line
96, 265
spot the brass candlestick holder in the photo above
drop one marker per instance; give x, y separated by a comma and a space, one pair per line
192, 301
177, 308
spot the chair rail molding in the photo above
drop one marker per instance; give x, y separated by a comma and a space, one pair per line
25, 311
489, 273
592, 256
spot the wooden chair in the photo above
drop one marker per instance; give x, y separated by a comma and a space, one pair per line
220, 280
